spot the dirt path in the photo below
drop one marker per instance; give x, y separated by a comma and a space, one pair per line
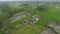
48, 31
55, 27
18, 16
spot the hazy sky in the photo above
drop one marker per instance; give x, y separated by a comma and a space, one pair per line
29, 0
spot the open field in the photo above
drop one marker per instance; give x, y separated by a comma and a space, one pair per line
14, 15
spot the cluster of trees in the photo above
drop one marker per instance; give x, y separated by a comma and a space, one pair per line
7, 12
43, 7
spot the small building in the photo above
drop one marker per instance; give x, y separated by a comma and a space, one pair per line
32, 20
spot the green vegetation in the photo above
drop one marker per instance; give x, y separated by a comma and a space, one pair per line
28, 29
46, 11
19, 21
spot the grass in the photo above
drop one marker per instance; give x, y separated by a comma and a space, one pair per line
29, 29
0, 31
19, 21
42, 22
52, 13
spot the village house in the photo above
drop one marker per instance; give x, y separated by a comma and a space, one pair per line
32, 20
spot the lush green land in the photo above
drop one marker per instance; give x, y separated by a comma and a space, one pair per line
47, 13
